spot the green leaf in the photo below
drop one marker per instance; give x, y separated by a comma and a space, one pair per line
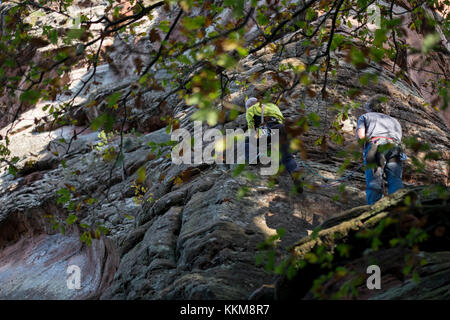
71, 206
226, 61
71, 219
310, 14
380, 37
365, 78
314, 119
98, 122
259, 259
236, 5
315, 233
407, 269
194, 23
60, 56
281, 232
357, 57
416, 277
311, 257
86, 238
430, 42
64, 196
395, 241
242, 192
238, 170
53, 36
55, 226
211, 115
144, 78
338, 39
12, 170
243, 52
164, 26
291, 271
105, 120
9, 63
142, 174
103, 229
390, 24
262, 19
344, 250
75, 34
377, 54
376, 243
112, 99
109, 122
30, 96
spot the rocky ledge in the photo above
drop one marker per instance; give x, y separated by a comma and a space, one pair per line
402, 239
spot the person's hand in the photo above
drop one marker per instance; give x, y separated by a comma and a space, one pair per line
253, 133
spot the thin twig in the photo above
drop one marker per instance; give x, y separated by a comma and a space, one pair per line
180, 13
330, 40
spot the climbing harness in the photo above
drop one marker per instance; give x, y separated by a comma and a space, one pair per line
381, 158
263, 128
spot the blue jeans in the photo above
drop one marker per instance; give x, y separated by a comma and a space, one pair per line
374, 179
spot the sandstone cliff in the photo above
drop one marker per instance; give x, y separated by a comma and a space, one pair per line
193, 231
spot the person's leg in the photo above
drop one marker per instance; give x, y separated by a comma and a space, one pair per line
247, 149
374, 181
374, 186
251, 150
287, 159
393, 172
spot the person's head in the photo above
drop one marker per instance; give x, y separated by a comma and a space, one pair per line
377, 103
250, 101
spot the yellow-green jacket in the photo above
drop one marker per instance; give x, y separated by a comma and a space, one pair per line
270, 110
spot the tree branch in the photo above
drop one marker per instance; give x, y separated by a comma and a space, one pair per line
330, 40
172, 27
393, 37
275, 32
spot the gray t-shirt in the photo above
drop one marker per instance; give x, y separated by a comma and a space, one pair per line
380, 125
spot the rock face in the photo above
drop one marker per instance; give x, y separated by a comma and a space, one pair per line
34, 259
435, 68
428, 257
194, 230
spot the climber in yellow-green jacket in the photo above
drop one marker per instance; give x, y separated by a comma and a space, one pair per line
253, 113
269, 116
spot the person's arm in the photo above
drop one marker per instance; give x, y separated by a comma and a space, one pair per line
361, 128
361, 133
272, 110
249, 116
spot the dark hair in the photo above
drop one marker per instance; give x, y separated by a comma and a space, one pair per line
378, 103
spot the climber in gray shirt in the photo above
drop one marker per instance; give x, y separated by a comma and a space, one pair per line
376, 127
377, 124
